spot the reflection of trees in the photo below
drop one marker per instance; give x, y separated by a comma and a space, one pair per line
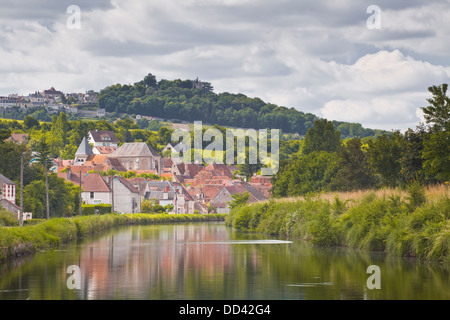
176, 262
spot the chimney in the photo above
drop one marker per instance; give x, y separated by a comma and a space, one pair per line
68, 173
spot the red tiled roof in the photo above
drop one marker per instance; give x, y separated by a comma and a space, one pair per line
99, 136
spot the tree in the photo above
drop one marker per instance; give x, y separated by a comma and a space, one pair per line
436, 143
42, 156
436, 155
438, 112
303, 174
411, 160
4, 134
31, 122
239, 199
150, 81
322, 137
384, 154
354, 172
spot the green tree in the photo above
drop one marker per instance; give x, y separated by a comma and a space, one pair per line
30, 122
437, 114
322, 137
239, 199
384, 154
436, 144
304, 174
436, 155
354, 172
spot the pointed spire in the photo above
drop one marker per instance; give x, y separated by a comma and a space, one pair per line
84, 148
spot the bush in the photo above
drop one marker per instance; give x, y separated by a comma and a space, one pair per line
7, 218
90, 209
33, 222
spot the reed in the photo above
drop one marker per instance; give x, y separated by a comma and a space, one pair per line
414, 222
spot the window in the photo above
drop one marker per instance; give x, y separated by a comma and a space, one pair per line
92, 195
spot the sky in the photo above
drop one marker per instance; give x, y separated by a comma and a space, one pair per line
335, 59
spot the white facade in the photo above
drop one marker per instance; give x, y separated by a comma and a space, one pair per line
96, 197
125, 200
9, 192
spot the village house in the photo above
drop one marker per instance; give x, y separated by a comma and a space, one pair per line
104, 142
125, 197
19, 138
8, 198
224, 197
103, 139
170, 193
51, 93
8, 189
117, 191
138, 156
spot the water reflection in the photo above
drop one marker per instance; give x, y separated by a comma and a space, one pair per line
210, 261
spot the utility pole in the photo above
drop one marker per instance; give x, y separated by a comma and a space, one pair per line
112, 196
21, 190
80, 195
46, 189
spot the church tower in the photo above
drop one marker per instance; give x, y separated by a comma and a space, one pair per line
83, 152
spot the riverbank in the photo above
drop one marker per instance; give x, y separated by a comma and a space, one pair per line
405, 224
17, 241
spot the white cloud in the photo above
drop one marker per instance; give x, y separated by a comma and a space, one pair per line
318, 57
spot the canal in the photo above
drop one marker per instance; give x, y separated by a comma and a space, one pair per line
203, 261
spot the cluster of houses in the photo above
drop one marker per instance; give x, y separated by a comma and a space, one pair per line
186, 187
52, 99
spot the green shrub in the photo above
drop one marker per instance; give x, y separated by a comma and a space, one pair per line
91, 209
33, 222
7, 218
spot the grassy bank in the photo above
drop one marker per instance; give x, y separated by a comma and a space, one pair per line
16, 241
410, 223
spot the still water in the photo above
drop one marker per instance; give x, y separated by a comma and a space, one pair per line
210, 261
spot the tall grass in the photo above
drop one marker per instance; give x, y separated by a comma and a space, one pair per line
408, 223
16, 241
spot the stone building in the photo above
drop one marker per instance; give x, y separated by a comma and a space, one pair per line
138, 157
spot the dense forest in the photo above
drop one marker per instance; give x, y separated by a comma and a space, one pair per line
193, 100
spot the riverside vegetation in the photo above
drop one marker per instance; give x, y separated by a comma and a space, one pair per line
412, 224
16, 241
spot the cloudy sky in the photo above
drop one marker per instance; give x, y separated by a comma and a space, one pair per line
316, 56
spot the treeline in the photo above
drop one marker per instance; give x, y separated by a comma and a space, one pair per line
193, 100
328, 163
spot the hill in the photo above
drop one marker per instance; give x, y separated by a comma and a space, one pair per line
194, 100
